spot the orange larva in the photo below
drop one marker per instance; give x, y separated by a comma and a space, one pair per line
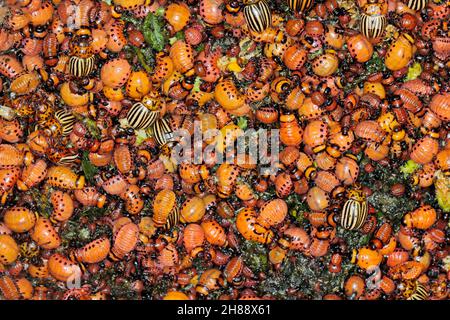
25, 83
193, 236
384, 232
443, 159
9, 250
19, 219
398, 256
192, 173
62, 269
11, 131
10, 67
115, 72
387, 285
62, 206
45, 235
347, 170
193, 210
125, 240
93, 252
325, 65
227, 175
63, 177
327, 181
424, 150
315, 134
244, 192
8, 288
421, 218
182, 56
163, 204
211, 11
115, 185
90, 197
163, 68
134, 203
177, 15
309, 110
354, 287
25, 288
376, 151
370, 130
298, 238
8, 178
319, 247
234, 269
116, 37
367, 258
168, 257
272, 213
38, 271
440, 105
283, 185
294, 57
410, 101
289, 155
210, 280
325, 161
317, 199
248, 227
214, 233
122, 159
290, 131
360, 48
228, 96
10, 156
32, 175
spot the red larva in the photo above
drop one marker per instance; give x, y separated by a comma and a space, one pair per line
424, 150
10, 67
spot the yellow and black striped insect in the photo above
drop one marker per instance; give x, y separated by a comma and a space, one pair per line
354, 213
172, 219
415, 291
373, 22
82, 60
162, 132
417, 5
300, 5
257, 15
140, 117
372, 26
67, 121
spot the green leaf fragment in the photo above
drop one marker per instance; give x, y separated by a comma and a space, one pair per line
88, 168
414, 71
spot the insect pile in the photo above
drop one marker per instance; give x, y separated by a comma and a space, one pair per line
100, 199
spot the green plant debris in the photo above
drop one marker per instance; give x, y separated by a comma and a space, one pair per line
309, 277
242, 122
409, 168
91, 125
392, 207
414, 71
154, 32
88, 168
255, 256
442, 187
